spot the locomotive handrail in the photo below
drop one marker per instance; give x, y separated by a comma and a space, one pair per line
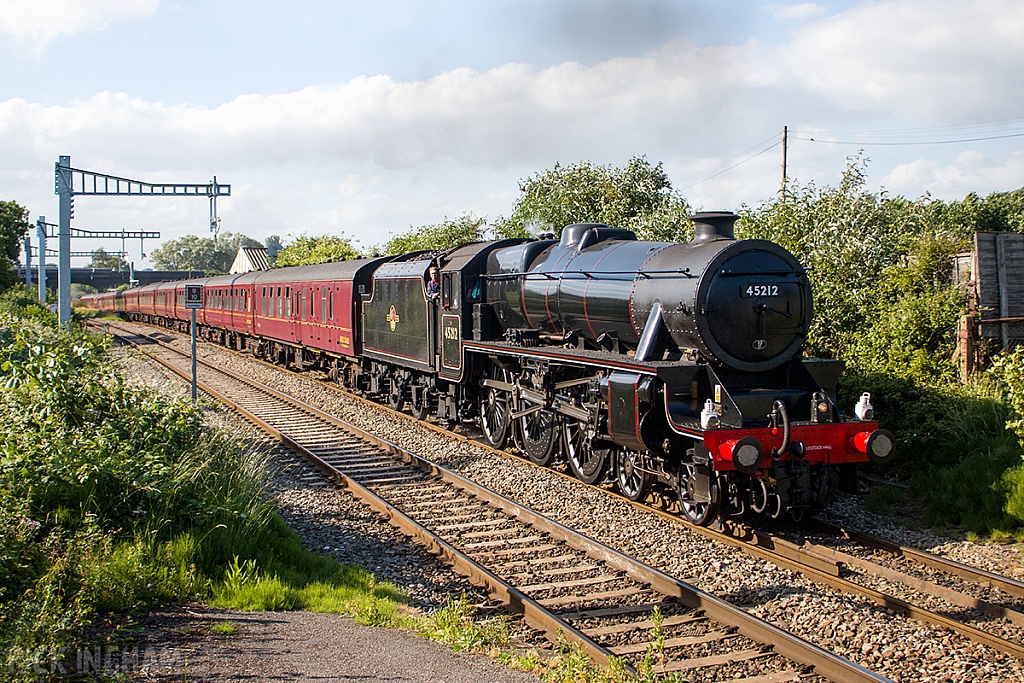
765, 272
589, 275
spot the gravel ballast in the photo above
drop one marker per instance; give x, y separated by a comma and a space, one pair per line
901, 649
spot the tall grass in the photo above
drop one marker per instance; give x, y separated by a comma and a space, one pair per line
114, 498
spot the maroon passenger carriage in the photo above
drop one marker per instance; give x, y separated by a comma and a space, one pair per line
678, 367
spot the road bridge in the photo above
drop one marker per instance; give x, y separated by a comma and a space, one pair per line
105, 278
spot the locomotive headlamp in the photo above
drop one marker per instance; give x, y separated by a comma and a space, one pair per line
822, 407
864, 410
878, 445
746, 454
709, 416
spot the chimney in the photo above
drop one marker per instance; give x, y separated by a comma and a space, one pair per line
714, 225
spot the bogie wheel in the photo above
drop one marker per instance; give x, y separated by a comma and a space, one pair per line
633, 482
495, 411
587, 463
419, 406
539, 436
698, 513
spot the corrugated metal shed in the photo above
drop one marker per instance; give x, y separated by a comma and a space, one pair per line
249, 259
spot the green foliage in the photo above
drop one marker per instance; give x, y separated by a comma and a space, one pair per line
880, 268
13, 227
284, 576
224, 628
15, 302
113, 498
454, 626
886, 304
638, 196
201, 253
447, 234
305, 250
101, 259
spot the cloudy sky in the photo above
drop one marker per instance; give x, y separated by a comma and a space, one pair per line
366, 118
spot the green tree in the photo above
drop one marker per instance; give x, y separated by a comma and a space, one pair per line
880, 268
201, 253
273, 245
101, 259
306, 250
638, 196
228, 244
447, 234
13, 227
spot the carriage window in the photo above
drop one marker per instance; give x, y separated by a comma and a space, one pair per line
305, 296
330, 305
323, 304
287, 302
263, 301
280, 303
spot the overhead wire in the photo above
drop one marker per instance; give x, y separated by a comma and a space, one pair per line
974, 131
930, 135
907, 143
741, 158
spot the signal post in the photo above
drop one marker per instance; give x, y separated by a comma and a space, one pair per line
193, 302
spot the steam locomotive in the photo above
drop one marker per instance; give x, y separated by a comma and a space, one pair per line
673, 367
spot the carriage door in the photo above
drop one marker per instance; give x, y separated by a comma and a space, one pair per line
451, 322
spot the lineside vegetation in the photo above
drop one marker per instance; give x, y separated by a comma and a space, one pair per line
114, 498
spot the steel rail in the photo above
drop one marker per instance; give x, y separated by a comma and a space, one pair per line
784, 643
535, 615
814, 565
964, 571
950, 595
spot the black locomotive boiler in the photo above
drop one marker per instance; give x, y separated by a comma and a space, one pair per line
676, 367
679, 364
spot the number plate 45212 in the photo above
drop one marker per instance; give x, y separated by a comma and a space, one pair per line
759, 290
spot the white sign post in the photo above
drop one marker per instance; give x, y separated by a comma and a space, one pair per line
193, 301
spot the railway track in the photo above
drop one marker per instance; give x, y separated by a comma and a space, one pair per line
564, 584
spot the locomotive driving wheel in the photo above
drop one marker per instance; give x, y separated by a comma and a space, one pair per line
588, 463
697, 513
494, 411
634, 482
538, 436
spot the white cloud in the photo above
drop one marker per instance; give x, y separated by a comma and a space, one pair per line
938, 59
38, 21
969, 172
799, 12
375, 154
504, 117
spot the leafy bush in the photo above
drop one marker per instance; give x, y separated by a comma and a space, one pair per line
305, 250
113, 498
638, 196
447, 234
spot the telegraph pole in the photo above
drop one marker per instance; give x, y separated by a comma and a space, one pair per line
785, 151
